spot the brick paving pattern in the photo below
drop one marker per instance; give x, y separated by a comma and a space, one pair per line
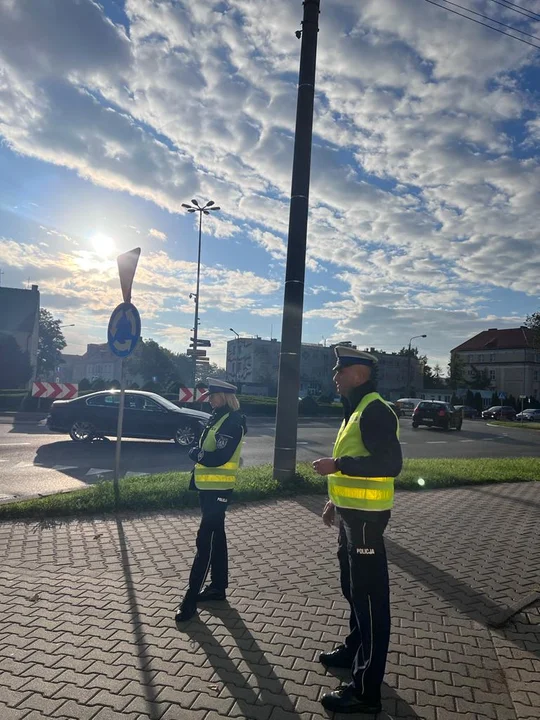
87, 630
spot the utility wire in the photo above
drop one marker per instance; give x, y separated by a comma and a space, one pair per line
479, 22
486, 17
519, 9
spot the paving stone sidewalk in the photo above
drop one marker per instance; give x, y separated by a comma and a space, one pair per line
87, 630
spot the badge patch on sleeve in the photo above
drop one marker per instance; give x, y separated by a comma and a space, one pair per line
221, 441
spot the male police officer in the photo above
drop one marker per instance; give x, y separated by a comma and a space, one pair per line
366, 459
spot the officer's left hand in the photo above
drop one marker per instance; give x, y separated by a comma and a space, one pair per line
324, 466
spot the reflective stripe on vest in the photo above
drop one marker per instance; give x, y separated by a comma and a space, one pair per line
222, 477
359, 493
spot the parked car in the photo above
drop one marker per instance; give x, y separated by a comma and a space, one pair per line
407, 405
467, 411
146, 415
435, 413
529, 415
499, 412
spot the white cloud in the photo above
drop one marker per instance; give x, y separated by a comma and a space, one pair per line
157, 234
425, 167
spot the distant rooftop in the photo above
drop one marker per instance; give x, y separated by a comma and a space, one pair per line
493, 339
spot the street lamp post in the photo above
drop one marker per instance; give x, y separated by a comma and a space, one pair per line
234, 331
409, 363
206, 209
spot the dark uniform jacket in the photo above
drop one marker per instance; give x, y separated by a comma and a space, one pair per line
227, 439
378, 425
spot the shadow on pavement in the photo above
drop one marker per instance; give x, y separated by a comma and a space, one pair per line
141, 645
475, 605
136, 456
271, 691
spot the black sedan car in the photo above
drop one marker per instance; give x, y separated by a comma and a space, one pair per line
435, 413
146, 415
499, 412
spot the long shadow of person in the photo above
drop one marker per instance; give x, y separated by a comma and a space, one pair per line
270, 691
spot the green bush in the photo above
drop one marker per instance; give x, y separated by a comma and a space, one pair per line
84, 384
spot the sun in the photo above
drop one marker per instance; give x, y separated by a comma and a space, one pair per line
102, 244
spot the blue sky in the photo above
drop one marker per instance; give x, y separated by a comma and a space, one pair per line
425, 202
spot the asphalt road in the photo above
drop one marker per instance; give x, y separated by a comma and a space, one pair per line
35, 461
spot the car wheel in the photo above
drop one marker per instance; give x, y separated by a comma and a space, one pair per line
415, 425
185, 435
459, 424
82, 431
446, 426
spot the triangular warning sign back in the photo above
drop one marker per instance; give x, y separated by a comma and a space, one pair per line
127, 264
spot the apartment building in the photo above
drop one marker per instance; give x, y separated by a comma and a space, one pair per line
253, 363
510, 357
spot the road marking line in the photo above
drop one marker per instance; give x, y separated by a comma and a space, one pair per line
13, 444
302, 442
98, 471
437, 442
402, 443
64, 467
466, 441
24, 464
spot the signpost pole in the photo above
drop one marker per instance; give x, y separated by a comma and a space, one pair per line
119, 428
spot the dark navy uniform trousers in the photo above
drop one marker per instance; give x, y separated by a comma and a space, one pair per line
212, 556
365, 584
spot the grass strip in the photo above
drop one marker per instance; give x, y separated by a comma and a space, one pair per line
167, 491
517, 424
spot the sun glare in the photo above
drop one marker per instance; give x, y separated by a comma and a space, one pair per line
103, 245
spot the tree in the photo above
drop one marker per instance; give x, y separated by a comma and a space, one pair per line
533, 323
405, 351
478, 403
456, 372
480, 379
15, 368
210, 370
84, 384
153, 362
51, 342
438, 380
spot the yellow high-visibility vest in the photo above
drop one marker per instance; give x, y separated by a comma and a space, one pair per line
222, 477
359, 493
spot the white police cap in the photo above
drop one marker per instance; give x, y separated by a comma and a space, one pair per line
347, 356
220, 386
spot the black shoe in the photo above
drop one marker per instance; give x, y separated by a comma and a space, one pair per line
338, 658
345, 700
211, 593
185, 611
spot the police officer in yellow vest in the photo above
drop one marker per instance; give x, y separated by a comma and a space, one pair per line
366, 459
217, 459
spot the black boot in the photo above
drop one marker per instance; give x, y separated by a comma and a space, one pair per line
345, 700
338, 658
211, 593
186, 610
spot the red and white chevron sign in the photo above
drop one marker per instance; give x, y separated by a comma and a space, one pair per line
54, 391
186, 395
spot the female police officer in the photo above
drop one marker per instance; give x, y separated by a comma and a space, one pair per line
217, 458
